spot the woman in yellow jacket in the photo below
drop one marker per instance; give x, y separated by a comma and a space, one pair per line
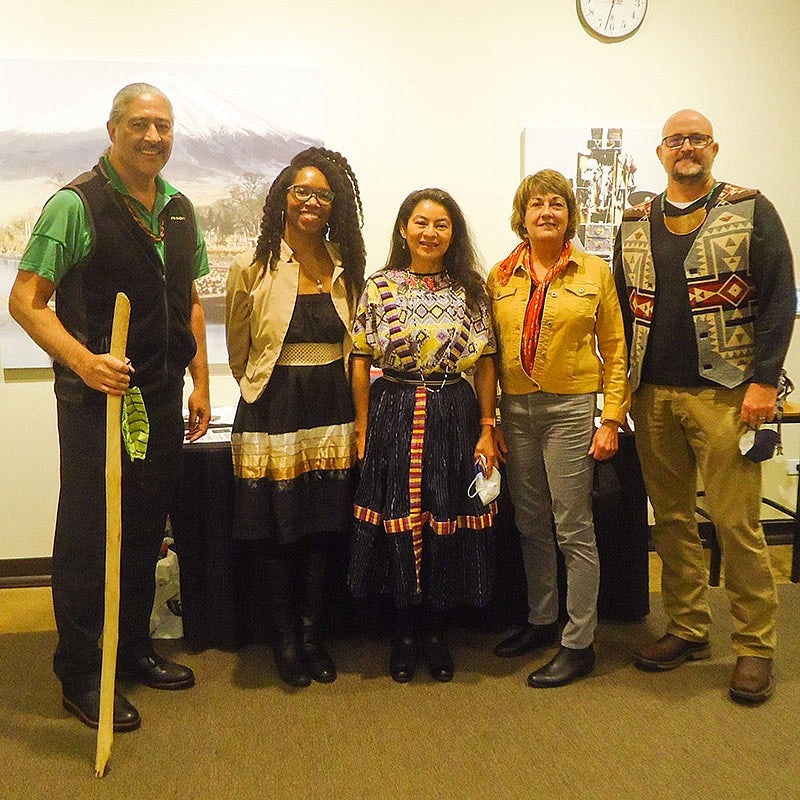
560, 341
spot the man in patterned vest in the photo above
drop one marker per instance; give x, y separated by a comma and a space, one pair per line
118, 228
705, 279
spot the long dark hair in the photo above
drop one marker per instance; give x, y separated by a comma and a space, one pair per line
344, 225
460, 260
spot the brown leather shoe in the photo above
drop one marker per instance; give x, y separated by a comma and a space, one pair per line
669, 652
752, 680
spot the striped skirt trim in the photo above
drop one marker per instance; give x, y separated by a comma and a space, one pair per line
445, 527
285, 456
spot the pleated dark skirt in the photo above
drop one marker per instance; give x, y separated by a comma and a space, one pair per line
418, 536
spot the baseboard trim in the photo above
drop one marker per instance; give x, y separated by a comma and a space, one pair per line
21, 572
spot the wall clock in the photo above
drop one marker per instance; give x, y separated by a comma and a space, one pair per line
612, 20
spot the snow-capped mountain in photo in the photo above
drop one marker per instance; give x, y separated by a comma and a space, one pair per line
215, 143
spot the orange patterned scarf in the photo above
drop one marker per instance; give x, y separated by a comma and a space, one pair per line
533, 313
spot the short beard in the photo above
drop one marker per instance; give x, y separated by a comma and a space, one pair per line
697, 177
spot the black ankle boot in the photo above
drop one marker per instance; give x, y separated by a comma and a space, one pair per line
290, 658
529, 637
437, 657
322, 666
403, 658
566, 666
405, 648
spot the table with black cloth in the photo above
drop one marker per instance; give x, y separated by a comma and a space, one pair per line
223, 598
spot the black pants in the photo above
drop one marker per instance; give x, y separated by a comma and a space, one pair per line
79, 547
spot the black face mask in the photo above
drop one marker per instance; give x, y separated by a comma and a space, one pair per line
762, 444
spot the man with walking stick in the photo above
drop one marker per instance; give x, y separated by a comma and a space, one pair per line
117, 228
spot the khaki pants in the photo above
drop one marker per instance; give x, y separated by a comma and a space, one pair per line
680, 432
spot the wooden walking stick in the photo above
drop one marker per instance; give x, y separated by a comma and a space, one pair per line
105, 727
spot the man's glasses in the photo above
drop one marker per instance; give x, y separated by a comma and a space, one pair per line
696, 140
304, 193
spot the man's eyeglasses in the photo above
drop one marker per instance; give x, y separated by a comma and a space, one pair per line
304, 193
696, 140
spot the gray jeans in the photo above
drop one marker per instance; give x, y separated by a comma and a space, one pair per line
550, 473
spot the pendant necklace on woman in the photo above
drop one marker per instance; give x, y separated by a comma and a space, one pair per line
316, 280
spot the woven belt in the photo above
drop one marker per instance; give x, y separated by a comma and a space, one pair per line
415, 379
309, 354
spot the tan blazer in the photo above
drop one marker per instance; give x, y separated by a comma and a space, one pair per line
259, 305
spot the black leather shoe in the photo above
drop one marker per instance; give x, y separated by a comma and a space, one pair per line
530, 637
156, 672
322, 666
293, 666
565, 667
85, 705
438, 659
403, 659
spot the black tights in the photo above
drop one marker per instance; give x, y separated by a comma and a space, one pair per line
296, 584
419, 620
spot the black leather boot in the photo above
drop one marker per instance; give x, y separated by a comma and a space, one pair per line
566, 666
322, 666
403, 658
290, 658
293, 666
437, 655
529, 637
315, 573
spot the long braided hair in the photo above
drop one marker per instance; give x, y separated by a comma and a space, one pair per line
344, 225
460, 260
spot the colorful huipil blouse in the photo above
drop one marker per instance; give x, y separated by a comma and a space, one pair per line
410, 322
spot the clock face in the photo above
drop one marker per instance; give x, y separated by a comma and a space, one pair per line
612, 20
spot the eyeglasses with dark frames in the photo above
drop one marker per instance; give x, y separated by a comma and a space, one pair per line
696, 140
304, 193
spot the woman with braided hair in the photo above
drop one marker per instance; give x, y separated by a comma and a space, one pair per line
289, 311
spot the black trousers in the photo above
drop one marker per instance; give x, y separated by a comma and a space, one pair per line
79, 546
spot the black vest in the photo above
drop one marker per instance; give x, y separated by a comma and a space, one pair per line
124, 259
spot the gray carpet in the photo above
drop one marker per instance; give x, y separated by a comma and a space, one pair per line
620, 734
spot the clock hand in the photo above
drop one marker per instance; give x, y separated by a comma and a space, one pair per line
610, 13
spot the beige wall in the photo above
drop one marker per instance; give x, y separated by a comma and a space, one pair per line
435, 93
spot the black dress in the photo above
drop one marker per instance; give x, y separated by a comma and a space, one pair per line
294, 447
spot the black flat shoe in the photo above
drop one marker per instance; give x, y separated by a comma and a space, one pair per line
156, 672
566, 666
291, 661
320, 663
85, 705
438, 659
403, 659
529, 637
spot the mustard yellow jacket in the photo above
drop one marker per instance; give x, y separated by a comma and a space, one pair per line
582, 342
259, 304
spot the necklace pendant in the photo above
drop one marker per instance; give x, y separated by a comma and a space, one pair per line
320, 287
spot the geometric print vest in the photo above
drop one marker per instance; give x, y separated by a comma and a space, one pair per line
722, 296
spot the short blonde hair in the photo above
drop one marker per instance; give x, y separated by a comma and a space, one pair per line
546, 181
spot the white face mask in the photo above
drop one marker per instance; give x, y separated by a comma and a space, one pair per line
485, 488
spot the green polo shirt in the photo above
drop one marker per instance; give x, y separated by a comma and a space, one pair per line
62, 236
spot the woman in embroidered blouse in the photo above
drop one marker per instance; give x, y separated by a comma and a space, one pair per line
290, 309
418, 536
560, 341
